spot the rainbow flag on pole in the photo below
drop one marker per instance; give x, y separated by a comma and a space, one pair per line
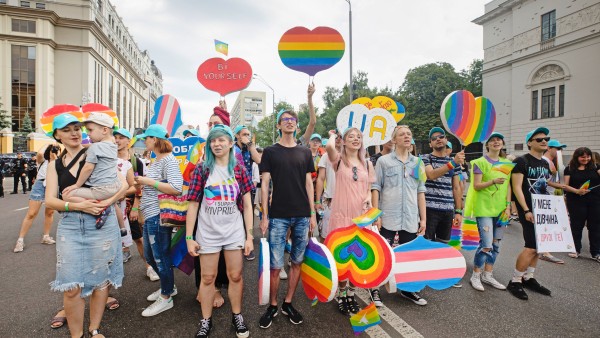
221, 47
419, 171
368, 218
504, 167
585, 186
364, 319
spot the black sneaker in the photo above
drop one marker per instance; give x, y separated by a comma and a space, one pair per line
352, 304
241, 330
413, 297
204, 327
267, 319
294, 316
342, 305
376, 298
532, 284
516, 289
251, 256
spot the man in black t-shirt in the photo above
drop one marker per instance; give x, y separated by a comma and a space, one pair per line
31, 171
530, 176
289, 166
20, 164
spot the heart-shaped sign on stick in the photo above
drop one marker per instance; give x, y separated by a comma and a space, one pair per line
468, 118
225, 76
167, 112
376, 125
48, 116
309, 51
382, 102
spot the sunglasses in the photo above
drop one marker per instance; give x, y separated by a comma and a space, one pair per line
355, 174
288, 119
439, 137
540, 139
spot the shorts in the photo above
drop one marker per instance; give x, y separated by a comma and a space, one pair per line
216, 249
136, 229
403, 236
38, 191
439, 225
278, 228
98, 193
528, 231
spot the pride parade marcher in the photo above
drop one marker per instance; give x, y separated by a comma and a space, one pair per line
400, 196
326, 188
488, 197
353, 176
583, 204
530, 176
221, 217
289, 166
312, 119
163, 177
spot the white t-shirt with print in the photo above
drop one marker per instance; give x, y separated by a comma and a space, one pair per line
329, 176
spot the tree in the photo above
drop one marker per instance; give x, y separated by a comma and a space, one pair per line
472, 77
26, 126
5, 119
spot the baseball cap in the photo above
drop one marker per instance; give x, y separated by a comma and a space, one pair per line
494, 134
221, 127
194, 132
155, 130
100, 119
449, 144
122, 132
436, 130
536, 131
239, 128
62, 121
556, 144
315, 135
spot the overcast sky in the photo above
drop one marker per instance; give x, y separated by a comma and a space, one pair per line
389, 38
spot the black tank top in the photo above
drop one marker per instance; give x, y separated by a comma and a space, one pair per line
65, 178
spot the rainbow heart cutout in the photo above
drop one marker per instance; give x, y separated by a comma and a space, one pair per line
224, 76
309, 51
468, 118
318, 272
385, 103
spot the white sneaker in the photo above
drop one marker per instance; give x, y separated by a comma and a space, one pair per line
476, 282
156, 295
19, 246
488, 278
158, 306
48, 240
282, 274
152, 274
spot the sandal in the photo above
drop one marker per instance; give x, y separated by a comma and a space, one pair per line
343, 306
551, 259
112, 305
573, 255
352, 304
58, 322
96, 332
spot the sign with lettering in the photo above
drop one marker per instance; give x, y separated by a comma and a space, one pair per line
395, 108
224, 76
552, 228
181, 148
376, 125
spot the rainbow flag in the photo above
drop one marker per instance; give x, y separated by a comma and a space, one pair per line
503, 167
367, 218
221, 47
585, 186
179, 253
364, 319
133, 141
419, 171
503, 219
196, 151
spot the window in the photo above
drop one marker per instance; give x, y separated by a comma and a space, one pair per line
25, 4
548, 102
548, 25
561, 100
519, 146
23, 84
110, 91
534, 104
25, 26
40, 6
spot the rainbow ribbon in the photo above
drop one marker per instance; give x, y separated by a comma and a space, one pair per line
503, 167
368, 218
365, 319
585, 186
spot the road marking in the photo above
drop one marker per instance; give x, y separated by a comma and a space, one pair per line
390, 317
21, 209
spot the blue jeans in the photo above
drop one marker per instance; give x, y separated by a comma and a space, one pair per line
490, 236
157, 243
278, 228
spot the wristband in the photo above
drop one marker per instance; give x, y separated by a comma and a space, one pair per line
313, 213
189, 237
451, 165
507, 203
317, 202
67, 206
135, 209
526, 211
156, 185
458, 211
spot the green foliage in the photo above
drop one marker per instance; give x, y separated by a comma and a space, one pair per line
27, 126
266, 131
472, 77
5, 118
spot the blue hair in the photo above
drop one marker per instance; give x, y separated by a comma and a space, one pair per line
210, 157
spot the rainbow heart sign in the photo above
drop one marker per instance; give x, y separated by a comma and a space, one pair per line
385, 103
181, 149
264, 275
89, 108
468, 118
361, 255
224, 76
48, 116
318, 272
420, 263
376, 125
309, 51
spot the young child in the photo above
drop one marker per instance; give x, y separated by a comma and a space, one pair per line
98, 178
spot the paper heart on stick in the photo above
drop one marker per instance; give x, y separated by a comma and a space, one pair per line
385, 103
318, 272
48, 116
376, 125
224, 76
468, 118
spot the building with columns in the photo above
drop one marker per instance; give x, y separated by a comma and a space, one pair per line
73, 51
541, 68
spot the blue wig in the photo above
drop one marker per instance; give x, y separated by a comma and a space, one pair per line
218, 131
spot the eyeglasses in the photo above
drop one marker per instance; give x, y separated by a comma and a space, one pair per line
288, 119
540, 139
439, 137
355, 174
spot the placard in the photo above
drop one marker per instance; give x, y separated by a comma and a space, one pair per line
377, 124
552, 227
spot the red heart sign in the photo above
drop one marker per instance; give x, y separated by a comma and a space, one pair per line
224, 76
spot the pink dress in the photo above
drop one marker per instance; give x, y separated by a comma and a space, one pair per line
349, 195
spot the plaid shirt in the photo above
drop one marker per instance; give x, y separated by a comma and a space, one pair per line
200, 176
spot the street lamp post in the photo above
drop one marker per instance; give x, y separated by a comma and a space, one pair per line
260, 78
350, 27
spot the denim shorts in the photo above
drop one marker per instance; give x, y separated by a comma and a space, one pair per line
87, 257
278, 228
216, 249
38, 191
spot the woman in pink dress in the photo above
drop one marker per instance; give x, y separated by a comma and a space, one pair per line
354, 175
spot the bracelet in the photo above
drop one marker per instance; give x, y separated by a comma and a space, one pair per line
507, 203
156, 185
526, 211
313, 213
67, 206
135, 209
451, 165
317, 202
189, 237
458, 211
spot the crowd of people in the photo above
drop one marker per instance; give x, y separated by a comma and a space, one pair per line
303, 185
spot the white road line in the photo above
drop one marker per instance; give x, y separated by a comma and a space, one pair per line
21, 209
390, 317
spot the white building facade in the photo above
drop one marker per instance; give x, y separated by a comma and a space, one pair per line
542, 68
248, 108
72, 51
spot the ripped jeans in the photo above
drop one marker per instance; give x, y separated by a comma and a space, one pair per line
490, 236
157, 243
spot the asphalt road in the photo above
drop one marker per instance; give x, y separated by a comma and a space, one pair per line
572, 311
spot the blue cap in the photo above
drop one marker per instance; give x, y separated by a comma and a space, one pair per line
536, 131
279, 117
556, 144
122, 132
315, 135
194, 132
155, 130
449, 144
238, 129
62, 121
494, 134
436, 130
221, 127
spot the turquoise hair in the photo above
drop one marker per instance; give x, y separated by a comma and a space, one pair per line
218, 131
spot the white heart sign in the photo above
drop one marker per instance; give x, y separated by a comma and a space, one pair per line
376, 125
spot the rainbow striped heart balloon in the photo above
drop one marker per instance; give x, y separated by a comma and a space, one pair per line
318, 272
309, 51
468, 118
